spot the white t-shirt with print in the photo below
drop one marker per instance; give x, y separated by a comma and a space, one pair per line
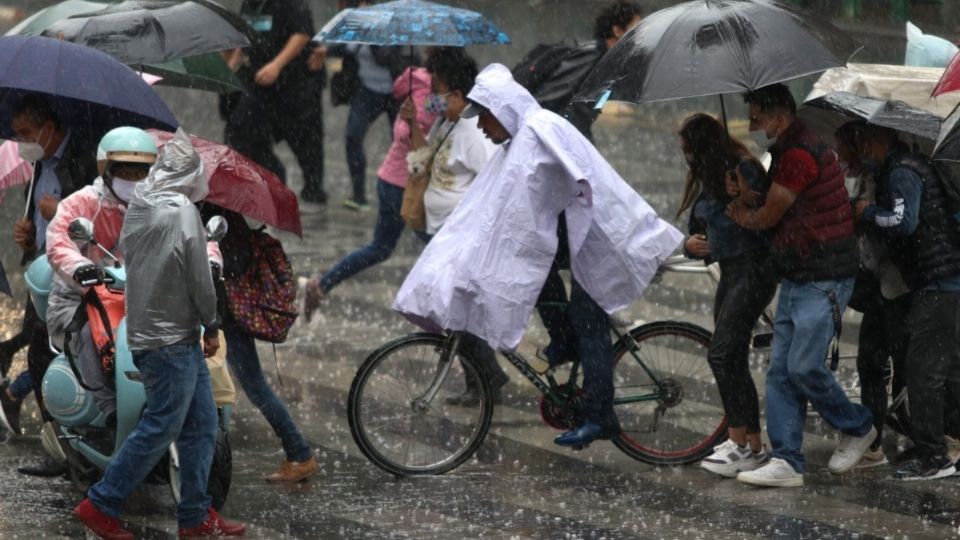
462, 155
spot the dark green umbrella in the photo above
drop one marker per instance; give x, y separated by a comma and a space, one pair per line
201, 72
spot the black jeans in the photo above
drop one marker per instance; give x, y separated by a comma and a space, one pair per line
256, 123
39, 354
365, 107
933, 370
747, 285
883, 335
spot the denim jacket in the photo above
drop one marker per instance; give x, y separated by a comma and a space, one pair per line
727, 239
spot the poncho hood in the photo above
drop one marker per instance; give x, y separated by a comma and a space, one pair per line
509, 102
177, 179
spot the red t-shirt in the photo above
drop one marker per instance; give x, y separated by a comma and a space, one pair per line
797, 169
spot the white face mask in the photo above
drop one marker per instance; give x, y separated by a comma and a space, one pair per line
761, 139
123, 189
32, 152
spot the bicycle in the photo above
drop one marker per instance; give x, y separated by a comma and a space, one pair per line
665, 398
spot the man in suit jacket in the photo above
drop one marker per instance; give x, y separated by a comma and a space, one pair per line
64, 161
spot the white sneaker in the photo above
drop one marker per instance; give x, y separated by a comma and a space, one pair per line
849, 451
729, 458
776, 473
871, 459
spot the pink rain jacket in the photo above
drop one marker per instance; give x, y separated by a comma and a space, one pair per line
393, 170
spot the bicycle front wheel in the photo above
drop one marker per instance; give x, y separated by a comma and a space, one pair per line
666, 398
402, 409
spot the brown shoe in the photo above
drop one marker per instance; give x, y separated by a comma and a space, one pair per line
294, 471
311, 301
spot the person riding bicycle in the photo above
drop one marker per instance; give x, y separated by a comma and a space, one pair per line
124, 158
483, 271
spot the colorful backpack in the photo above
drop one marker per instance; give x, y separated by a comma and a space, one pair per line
262, 300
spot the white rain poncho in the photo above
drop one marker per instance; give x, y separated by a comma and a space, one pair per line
170, 291
485, 268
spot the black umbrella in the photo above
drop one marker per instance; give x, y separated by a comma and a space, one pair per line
827, 113
155, 31
711, 47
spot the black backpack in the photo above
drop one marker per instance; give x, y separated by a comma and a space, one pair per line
949, 172
553, 72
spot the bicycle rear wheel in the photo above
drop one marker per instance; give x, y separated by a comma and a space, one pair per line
398, 410
683, 418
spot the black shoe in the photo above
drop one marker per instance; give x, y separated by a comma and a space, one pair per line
314, 196
925, 469
48, 468
471, 398
10, 412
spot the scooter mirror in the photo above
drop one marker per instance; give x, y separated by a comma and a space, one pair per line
80, 230
216, 229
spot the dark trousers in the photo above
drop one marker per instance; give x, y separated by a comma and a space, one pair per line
365, 107
39, 354
580, 328
882, 336
933, 368
256, 123
10, 347
747, 285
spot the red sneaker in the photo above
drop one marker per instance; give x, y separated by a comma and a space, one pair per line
214, 526
102, 525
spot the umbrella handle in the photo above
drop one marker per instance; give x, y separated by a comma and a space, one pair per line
410, 94
33, 181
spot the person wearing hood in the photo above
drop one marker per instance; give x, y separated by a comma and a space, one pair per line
124, 157
483, 271
814, 250
170, 295
413, 88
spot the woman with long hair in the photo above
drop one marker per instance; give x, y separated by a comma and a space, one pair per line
720, 167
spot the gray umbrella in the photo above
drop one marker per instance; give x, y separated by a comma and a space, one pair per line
826, 113
709, 47
155, 31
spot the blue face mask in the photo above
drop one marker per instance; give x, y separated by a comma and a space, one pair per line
436, 103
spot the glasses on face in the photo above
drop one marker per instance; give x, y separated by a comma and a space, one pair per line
130, 171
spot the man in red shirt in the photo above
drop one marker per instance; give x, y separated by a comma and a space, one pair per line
808, 211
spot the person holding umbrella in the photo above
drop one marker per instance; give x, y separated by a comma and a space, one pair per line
814, 249
63, 163
913, 214
284, 101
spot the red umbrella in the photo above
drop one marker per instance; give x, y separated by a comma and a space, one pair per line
950, 81
239, 184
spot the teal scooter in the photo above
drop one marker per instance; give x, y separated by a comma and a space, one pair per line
80, 437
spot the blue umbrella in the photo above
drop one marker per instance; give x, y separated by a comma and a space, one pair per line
411, 22
91, 91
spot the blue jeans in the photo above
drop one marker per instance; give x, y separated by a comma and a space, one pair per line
21, 387
365, 107
386, 233
180, 408
245, 365
802, 332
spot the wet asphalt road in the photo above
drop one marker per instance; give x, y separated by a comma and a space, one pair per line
519, 485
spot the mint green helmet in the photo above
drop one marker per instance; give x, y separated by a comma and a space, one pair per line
126, 144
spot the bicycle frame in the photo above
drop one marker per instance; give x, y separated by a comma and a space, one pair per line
545, 383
